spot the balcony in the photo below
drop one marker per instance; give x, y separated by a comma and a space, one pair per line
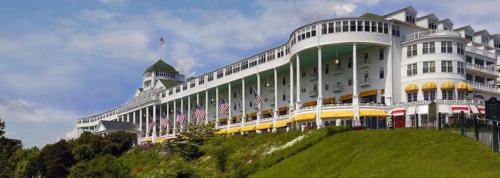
483, 86
365, 82
424, 34
482, 69
481, 52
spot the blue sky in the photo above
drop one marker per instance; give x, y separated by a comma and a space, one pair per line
60, 60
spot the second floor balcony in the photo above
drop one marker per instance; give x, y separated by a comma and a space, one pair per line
482, 69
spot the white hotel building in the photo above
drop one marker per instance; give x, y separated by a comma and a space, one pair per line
344, 71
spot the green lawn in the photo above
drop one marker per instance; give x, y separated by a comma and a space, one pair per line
390, 153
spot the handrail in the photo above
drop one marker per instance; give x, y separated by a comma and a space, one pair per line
423, 34
490, 70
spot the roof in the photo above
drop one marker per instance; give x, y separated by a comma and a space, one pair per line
170, 83
482, 32
409, 8
161, 66
431, 15
446, 21
372, 16
121, 126
468, 27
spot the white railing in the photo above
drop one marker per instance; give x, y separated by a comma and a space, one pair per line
481, 52
282, 117
483, 86
490, 70
423, 34
450, 102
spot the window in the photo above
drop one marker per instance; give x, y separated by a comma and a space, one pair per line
367, 26
468, 37
380, 28
365, 59
220, 74
461, 95
446, 47
327, 68
201, 80
366, 77
244, 65
381, 54
170, 91
345, 26
432, 25
360, 26
313, 31
327, 87
303, 73
411, 96
323, 28
284, 97
460, 48
395, 30
374, 26
430, 95
468, 59
330, 27
349, 82
428, 48
386, 28
192, 84
229, 70
460, 68
349, 63
411, 69
315, 71
484, 40
410, 18
284, 80
184, 86
446, 66
496, 44
210, 77
338, 27
447, 94
353, 26
381, 73
411, 50
262, 58
429, 67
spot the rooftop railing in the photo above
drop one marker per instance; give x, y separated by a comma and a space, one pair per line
489, 70
423, 34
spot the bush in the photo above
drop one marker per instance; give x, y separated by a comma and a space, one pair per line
106, 166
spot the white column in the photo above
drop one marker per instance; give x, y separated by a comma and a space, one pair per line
173, 118
167, 130
154, 121
292, 101
319, 103
260, 105
147, 122
197, 104
189, 110
297, 63
243, 107
275, 115
140, 120
206, 107
388, 80
133, 117
128, 117
216, 107
229, 119
355, 99
182, 112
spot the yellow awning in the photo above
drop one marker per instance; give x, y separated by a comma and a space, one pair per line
248, 128
310, 103
233, 130
337, 114
283, 108
345, 97
282, 123
462, 86
447, 85
221, 131
252, 114
307, 116
373, 113
330, 100
368, 93
265, 125
469, 89
411, 87
160, 139
382, 91
429, 86
266, 111
149, 139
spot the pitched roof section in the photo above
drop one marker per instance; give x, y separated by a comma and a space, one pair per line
115, 125
370, 15
409, 8
161, 66
170, 83
468, 27
431, 15
482, 32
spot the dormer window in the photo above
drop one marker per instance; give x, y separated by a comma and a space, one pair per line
484, 40
468, 36
496, 43
432, 25
410, 18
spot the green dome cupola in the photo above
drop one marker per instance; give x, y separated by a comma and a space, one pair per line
161, 66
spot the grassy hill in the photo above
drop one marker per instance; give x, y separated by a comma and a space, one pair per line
390, 153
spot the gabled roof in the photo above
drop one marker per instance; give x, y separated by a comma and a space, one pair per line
117, 126
409, 8
170, 83
431, 15
446, 21
482, 32
496, 36
161, 66
370, 15
468, 27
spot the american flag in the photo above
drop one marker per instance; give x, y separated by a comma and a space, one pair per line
224, 106
180, 117
152, 124
199, 113
258, 99
164, 121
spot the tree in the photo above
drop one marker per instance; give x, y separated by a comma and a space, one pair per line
106, 166
56, 159
188, 142
2, 126
8, 148
27, 166
118, 143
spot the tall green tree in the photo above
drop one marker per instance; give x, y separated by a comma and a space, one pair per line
8, 148
106, 166
56, 159
28, 165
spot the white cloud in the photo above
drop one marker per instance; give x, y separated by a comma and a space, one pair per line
113, 2
97, 15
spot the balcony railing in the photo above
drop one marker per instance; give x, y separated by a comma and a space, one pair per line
480, 52
483, 86
423, 34
450, 102
489, 70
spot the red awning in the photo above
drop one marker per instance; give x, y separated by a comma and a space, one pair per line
481, 109
459, 108
398, 112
